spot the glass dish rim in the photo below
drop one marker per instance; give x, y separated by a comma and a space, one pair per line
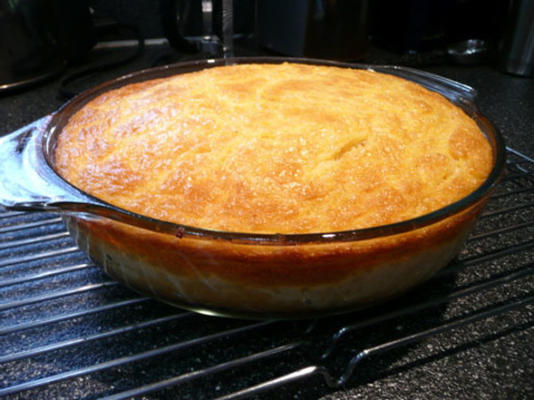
54, 126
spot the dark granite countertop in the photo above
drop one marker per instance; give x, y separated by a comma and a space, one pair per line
491, 359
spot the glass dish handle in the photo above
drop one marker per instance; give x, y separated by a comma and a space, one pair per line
26, 180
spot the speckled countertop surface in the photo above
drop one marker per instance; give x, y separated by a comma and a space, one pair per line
489, 359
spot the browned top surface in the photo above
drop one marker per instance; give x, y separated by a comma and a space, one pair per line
275, 148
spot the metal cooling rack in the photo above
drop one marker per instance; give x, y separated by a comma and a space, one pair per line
68, 331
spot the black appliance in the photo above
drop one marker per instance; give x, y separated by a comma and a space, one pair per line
38, 38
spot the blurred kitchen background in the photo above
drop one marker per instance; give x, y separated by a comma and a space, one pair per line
40, 38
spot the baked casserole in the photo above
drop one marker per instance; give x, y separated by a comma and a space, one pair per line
274, 149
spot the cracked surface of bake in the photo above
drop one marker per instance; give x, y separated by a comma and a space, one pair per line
274, 148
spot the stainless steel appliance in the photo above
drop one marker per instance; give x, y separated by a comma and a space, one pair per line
516, 49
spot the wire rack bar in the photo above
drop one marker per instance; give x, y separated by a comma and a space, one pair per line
146, 389
499, 231
28, 225
65, 317
44, 275
91, 338
511, 193
10, 214
337, 382
516, 174
38, 239
447, 326
463, 292
56, 295
38, 256
468, 261
126, 360
520, 154
507, 210
273, 383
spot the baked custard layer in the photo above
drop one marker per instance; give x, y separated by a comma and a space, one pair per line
265, 148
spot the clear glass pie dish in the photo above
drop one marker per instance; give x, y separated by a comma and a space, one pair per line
238, 273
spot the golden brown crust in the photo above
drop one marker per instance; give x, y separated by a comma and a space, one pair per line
275, 148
